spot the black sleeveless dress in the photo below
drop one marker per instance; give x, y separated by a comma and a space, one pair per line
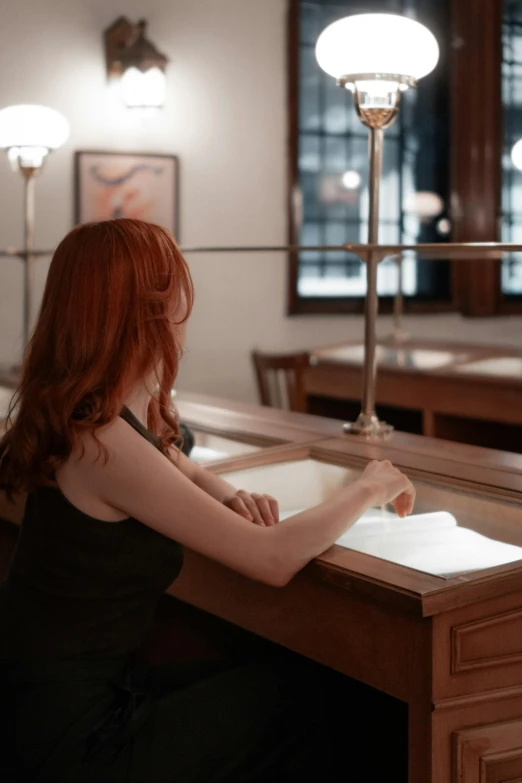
78, 598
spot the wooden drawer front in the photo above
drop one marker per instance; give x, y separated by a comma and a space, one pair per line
478, 648
478, 741
492, 641
488, 754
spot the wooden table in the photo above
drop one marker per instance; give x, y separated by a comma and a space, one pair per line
451, 648
460, 392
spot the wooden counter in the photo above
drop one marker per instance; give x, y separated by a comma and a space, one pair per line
460, 392
449, 647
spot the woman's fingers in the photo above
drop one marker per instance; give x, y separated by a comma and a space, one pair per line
261, 509
400, 506
274, 507
250, 503
264, 509
409, 494
236, 504
403, 503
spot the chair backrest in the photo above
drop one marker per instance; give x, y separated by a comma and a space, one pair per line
280, 379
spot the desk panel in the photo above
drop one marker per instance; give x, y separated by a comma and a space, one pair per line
468, 393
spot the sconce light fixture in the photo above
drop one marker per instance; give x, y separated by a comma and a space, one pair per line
136, 63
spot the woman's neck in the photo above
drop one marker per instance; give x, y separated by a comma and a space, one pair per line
137, 401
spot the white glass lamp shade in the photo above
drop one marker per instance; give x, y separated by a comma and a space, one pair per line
30, 131
351, 180
516, 155
424, 204
144, 89
384, 44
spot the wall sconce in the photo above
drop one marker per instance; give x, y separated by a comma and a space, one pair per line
136, 63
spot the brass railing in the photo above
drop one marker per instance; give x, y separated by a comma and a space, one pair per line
367, 254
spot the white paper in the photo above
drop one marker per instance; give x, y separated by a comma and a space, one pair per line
432, 543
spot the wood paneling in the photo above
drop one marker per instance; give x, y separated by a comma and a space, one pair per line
491, 641
479, 648
476, 146
488, 754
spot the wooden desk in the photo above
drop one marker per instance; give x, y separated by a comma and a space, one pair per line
466, 393
244, 422
241, 419
451, 648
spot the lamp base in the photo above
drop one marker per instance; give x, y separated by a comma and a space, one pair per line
398, 337
368, 426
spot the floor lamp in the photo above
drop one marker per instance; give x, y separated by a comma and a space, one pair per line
28, 133
376, 57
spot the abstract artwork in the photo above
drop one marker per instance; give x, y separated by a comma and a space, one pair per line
111, 185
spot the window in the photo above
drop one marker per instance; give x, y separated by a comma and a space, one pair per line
449, 139
332, 171
511, 176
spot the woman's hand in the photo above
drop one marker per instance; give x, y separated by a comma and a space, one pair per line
389, 485
260, 509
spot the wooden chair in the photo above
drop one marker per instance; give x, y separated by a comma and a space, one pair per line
280, 379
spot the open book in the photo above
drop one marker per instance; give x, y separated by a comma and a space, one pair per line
432, 543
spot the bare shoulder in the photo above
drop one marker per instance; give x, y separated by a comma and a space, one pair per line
134, 479
117, 451
89, 451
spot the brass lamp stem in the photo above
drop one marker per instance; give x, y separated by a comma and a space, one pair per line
28, 174
399, 335
367, 417
376, 119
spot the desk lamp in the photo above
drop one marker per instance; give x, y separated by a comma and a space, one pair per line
376, 57
28, 133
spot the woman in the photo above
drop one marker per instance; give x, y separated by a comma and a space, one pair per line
93, 442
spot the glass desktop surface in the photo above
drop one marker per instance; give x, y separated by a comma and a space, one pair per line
210, 448
500, 367
408, 358
450, 532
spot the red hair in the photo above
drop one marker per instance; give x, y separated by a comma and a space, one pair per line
106, 321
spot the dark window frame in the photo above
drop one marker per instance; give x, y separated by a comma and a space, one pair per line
475, 167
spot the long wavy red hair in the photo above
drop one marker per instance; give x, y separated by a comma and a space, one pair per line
106, 321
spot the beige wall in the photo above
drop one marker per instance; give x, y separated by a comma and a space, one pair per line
225, 118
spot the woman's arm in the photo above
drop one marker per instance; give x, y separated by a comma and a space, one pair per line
260, 509
316, 529
139, 481
209, 482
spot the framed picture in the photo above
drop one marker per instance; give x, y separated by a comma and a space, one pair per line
111, 185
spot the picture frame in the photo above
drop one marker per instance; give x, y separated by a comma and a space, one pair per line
140, 185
